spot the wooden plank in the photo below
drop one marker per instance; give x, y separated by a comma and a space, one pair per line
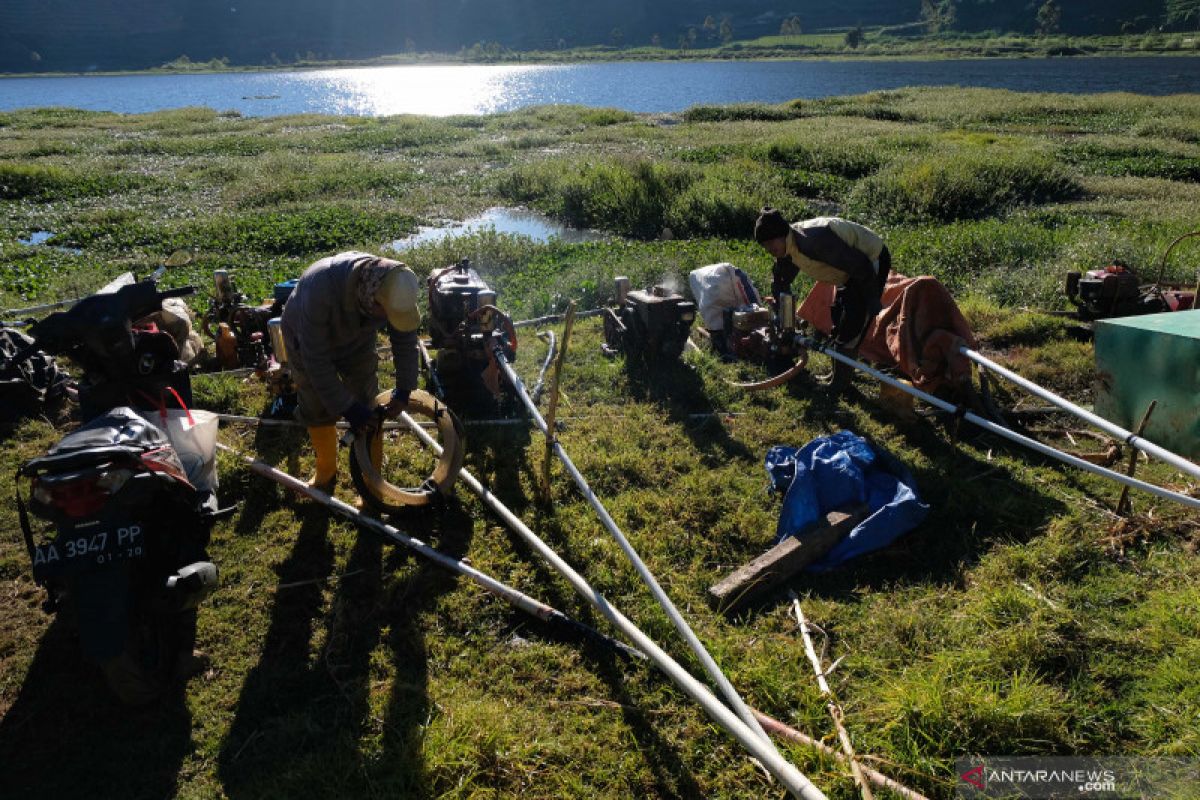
784, 560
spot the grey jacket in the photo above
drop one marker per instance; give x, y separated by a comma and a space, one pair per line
326, 332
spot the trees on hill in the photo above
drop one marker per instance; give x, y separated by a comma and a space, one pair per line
1183, 13
939, 15
790, 27
1049, 17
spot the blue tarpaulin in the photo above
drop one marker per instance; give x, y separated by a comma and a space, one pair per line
839, 471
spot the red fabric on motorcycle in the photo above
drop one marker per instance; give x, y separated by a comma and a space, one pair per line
919, 330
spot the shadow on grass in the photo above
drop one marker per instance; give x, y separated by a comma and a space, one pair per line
672, 777
303, 718
67, 736
498, 459
276, 726
677, 388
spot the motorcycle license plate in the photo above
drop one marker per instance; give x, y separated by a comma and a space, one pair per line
88, 547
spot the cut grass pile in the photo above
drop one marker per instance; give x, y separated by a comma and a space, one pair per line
1020, 618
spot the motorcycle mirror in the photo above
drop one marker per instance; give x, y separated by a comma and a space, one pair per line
180, 258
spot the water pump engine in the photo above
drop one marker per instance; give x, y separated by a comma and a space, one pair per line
756, 333
464, 327
650, 325
239, 328
1115, 291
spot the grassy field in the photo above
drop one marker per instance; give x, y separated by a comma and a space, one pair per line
1022, 617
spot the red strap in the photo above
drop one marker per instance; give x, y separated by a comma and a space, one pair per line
162, 407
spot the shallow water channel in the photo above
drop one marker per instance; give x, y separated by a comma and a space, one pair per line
512, 221
43, 239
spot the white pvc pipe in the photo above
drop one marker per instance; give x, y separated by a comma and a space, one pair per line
784, 771
1000, 430
502, 590
549, 318
689, 636
1116, 431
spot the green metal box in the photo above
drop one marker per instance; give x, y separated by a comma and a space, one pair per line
1153, 357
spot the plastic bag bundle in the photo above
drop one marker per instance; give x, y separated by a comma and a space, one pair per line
719, 288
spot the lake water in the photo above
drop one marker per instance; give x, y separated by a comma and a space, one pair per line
635, 86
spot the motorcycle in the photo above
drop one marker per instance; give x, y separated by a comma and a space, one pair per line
125, 552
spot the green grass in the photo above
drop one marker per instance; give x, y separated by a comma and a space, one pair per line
1017, 619
970, 184
49, 182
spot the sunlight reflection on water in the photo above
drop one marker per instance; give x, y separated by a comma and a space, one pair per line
437, 91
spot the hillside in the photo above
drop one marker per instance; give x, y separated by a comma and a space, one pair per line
82, 35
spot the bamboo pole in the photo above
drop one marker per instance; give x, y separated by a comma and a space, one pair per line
435, 380
873, 775
831, 704
552, 410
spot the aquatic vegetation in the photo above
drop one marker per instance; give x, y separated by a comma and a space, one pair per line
1016, 619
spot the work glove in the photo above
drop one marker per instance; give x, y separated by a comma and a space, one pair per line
361, 419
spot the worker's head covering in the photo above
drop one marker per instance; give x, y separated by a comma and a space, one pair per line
393, 286
770, 225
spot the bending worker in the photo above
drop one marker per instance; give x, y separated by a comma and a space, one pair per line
330, 325
846, 254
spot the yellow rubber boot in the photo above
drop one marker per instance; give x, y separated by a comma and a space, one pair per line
376, 461
325, 445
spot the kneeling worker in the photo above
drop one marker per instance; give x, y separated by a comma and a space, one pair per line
846, 254
330, 326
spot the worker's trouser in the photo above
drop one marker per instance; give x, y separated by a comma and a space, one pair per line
359, 374
855, 306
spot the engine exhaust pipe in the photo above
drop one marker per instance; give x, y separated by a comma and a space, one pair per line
786, 319
621, 285
223, 285
275, 329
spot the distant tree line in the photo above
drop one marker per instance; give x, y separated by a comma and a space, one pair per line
1075, 17
136, 34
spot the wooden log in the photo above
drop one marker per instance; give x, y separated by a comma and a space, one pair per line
784, 560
